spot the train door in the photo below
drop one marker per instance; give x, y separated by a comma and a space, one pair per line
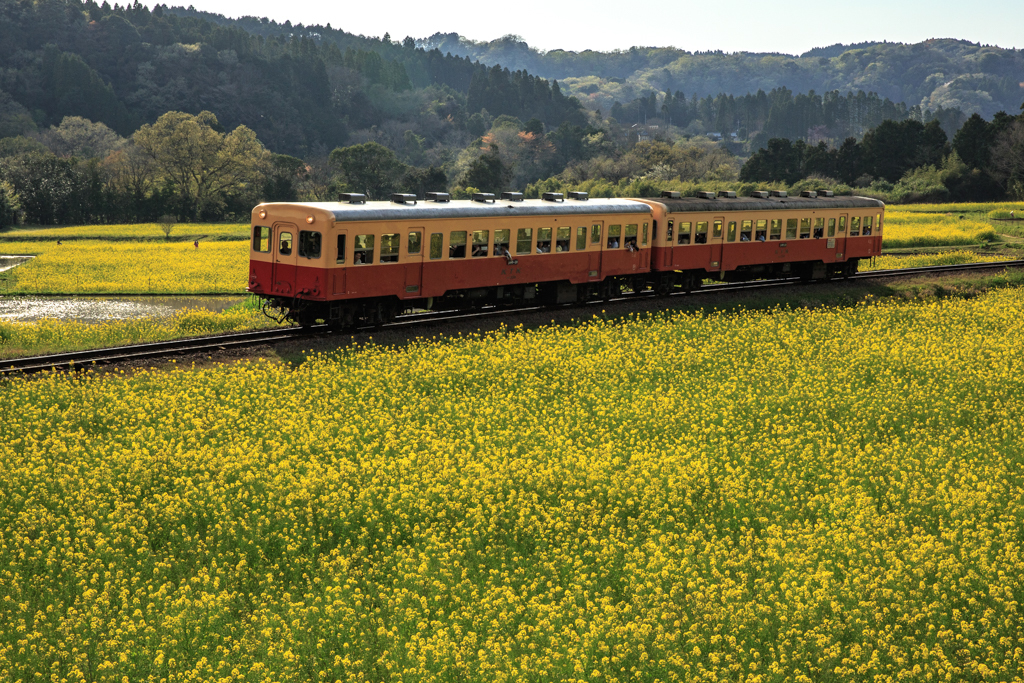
414, 264
716, 239
841, 233
285, 259
341, 259
595, 248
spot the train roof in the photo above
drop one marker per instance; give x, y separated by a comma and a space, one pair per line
388, 211
697, 204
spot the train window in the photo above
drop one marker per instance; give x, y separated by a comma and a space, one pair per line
260, 239
791, 228
718, 229
831, 227
819, 227
543, 240
501, 239
414, 242
867, 225
645, 232
457, 244
805, 228
776, 233
842, 224
630, 238
878, 223
702, 233
854, 226
581, 238
668, 231
731, 234
595, 234
684, 233
562, 239
340, 258
762, 230
481, 242
309, 244
389, 245
284, 244
746, 230
436, 245
524, 241
614, 233
363, 252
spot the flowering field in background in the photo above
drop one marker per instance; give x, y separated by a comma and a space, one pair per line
135, 231
959, 209
98, 267
945, 258
903, 229
786, 495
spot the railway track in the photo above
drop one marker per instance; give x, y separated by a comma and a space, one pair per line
83, 359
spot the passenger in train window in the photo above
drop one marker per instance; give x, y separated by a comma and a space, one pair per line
614, 233
562, 238
363, 253
668, 232
501, 240
389, 244
867, 226
819, 227
684, 233
831, 227
791, 228
457, 244
284, 246
702, 233
746, 227
630, 240
414, 242
481, 241
543, 240
524, 240
805, 228
776, 233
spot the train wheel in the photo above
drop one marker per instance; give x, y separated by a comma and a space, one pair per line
666, 283
611, 289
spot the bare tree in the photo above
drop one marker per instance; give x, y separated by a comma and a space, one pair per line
167, 224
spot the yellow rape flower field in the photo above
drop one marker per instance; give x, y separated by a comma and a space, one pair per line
906, 229
134, 231
829, 494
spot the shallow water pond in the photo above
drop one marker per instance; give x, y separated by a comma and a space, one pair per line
103, 309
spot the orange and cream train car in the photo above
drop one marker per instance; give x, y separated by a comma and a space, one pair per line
353, 261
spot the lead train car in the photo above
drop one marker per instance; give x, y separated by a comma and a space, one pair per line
347, 263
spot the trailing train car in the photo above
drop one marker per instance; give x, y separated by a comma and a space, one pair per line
355, 261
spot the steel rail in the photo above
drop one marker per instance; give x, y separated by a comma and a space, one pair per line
82, 359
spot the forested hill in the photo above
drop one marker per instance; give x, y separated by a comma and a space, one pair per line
299, 88
952, 74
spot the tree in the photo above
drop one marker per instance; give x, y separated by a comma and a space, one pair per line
78, 137
892, 148
973, 142
166, 225
202, 164
1008, 158
781, 160
9, 205
370, 167
488, 173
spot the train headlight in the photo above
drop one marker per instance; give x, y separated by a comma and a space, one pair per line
310, 219
263, 214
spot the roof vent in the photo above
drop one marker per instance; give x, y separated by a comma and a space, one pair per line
779, 193
705, 195
552, 197
669, 194
512, 196
826, 193
353, 197
759, 194
399, 198
579, 196
811, 194
728, 194
485, 197
440, 197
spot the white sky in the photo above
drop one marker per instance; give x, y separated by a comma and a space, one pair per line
740, 25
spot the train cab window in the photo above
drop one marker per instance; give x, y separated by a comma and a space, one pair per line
819, 227
414, 242
717, 229
762, 230
854, 226
701, 237
805, 228
524, 240
309, 244
630, 239
457, 244
389, 245
501, 239
340, 258
481, 242
543, 240
284, 244
562, 238
831, 227
260, 239
668, 231
595, 234
731, 233
776, 233
684, 233
581, 238
867, 226
436, 245
363, 252
842, 224
614, 233
645, 232
746, 231
791, 228
878, 223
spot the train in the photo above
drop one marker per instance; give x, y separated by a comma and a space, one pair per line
357, 262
